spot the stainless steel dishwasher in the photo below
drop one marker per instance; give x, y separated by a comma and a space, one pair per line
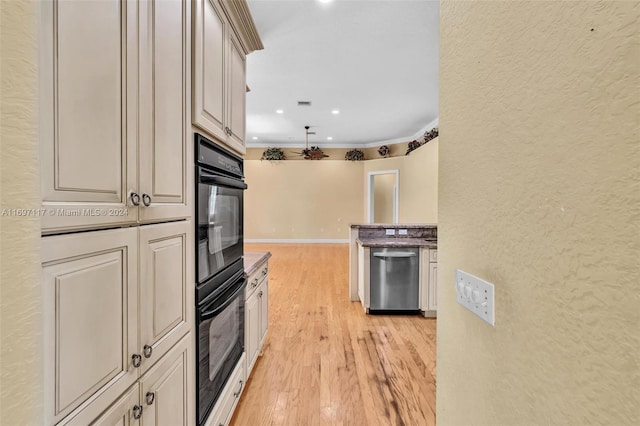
394, 280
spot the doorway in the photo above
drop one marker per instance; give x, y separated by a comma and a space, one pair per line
382, 196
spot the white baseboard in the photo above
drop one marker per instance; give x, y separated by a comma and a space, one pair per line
298, 241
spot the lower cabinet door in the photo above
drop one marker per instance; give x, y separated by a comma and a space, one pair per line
252, 329
223, 410
124, 412
168, 388
90, 299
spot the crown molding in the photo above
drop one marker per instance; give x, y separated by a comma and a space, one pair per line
242, 22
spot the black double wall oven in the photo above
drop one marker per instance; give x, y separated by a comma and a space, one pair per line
219, 268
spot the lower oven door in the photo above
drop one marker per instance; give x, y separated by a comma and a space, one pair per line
220, 344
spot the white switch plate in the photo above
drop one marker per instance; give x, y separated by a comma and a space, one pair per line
402, 232
476, 295
390, 231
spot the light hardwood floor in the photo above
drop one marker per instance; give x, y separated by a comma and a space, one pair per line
327, 363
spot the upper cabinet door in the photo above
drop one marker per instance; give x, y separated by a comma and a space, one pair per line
88, 92
237, 95
165, 157
210, 81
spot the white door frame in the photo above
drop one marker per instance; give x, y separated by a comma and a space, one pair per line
370, 193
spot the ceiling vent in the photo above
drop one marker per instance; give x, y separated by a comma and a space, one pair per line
304, 103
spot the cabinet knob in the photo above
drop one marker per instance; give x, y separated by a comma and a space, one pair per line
150, 397
135, 199
147, 351
254, 283
264, 272
146, 199
137, 411
260, 294
136, 360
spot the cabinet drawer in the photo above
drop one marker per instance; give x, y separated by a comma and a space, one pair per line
433, 255
223, 410
256, 278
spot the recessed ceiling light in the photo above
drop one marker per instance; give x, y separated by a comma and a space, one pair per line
329, 138
255, 138
325, 1
335, 111
279, 111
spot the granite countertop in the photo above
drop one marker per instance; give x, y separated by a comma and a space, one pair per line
393, 225
398, 242
253, 259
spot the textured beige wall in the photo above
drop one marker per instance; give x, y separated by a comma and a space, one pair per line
383, 190
20, 295
540, 194
302, 199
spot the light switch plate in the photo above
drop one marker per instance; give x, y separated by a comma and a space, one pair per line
476, 295
390, 231
402, 232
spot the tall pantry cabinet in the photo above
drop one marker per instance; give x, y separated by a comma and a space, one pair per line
117, 199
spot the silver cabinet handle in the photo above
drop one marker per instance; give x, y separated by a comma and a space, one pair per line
150, 397
146, 199
136, 360
237, 394
147, 351
137, 411
395, 254
135, 199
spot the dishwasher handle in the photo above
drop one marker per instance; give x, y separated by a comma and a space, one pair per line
395, 254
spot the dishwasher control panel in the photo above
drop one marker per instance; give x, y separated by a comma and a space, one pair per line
476, 295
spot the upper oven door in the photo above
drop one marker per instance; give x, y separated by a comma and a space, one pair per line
220, 223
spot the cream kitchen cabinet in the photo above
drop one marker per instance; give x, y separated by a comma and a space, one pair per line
222, 412
115, 302
114, 134
223, 34
429, 282
162, 396
256, 313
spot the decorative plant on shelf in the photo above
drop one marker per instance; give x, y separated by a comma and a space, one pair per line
429, 135
414, 144
354, 155
273, 154
384, 151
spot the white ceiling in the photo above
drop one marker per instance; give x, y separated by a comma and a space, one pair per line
374, 61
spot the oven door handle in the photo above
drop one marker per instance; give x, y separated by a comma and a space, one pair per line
221, 180
212, 313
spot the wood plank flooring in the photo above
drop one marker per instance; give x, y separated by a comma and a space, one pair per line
327, 363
